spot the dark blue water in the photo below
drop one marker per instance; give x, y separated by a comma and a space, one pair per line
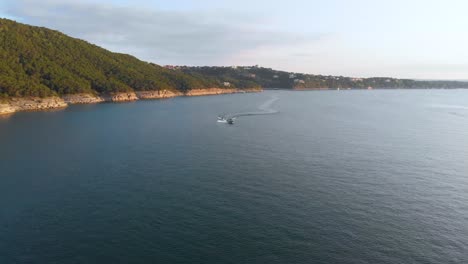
334, 177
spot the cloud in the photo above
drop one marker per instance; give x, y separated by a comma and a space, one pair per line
162, 36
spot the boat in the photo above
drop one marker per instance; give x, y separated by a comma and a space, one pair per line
223, 119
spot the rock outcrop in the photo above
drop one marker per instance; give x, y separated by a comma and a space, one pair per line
145, 95
120, 97
82, 99
32, 103
6, 108
211, 91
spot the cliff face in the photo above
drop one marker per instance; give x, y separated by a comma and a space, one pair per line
210, 91
82, 99
214, 91
30, 104
6, 108
158, 94
120, 97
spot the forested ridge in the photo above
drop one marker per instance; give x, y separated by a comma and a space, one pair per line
270, 78
36, 61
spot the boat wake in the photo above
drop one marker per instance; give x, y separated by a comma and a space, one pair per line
265, 109
445, 106
456, 110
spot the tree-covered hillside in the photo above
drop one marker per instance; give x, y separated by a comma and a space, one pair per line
37, 61
269, 78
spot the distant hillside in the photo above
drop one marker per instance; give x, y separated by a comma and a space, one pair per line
269, 78
37, 61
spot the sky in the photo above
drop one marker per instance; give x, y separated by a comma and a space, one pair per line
362, 38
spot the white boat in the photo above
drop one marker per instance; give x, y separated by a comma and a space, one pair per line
223, 119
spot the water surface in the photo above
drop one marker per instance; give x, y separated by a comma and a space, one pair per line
334, 177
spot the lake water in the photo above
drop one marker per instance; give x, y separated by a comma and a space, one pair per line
334, 177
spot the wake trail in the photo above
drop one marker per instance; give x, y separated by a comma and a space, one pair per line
446, 106
265, 109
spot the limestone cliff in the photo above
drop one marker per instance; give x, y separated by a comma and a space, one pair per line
6, 108
210, 91
158, 94
82, 99
28, 104
120, 97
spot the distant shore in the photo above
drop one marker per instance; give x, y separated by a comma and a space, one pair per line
16, 104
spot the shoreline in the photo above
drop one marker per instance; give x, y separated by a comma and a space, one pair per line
25, 104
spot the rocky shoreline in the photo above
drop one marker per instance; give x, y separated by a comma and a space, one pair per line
31, 104
13, 105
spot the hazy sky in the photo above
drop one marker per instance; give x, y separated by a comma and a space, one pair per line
425, 39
